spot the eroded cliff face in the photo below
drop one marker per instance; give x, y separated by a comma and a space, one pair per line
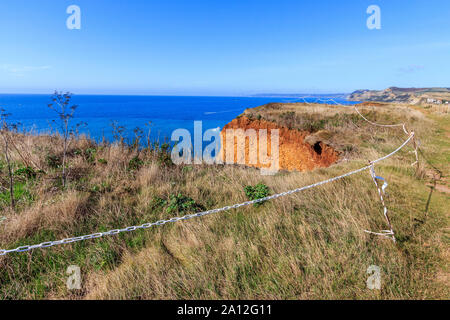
294, 152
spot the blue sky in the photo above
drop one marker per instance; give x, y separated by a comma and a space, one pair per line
233, 47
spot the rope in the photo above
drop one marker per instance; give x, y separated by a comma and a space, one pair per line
381, 192
199, 214
416, 145
403, 125
320, 100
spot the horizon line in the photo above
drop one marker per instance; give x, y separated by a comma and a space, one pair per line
254, 95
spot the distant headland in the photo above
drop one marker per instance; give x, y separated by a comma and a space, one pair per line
404, 95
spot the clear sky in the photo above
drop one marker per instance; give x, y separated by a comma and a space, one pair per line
212, 47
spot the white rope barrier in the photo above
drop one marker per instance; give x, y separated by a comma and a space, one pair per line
403, 125
199, 214
381, 192
416, 146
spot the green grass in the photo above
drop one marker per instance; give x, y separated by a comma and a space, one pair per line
22, 195
310, 245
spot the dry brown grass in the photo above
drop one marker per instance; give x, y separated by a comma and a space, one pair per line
345, 127
310, 245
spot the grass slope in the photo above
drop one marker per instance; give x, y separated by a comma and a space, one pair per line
310, 245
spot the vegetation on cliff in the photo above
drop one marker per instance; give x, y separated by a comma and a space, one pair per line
304, 246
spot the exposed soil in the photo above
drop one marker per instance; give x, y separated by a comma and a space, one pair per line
294, 152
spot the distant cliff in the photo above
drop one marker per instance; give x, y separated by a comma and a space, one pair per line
404, 95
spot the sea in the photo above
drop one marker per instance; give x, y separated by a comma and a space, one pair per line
157, 116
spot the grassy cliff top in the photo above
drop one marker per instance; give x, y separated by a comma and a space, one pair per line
342, 127
310, 245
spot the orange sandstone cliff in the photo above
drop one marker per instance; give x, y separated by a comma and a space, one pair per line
294, 152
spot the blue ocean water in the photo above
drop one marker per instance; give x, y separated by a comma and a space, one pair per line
166, 113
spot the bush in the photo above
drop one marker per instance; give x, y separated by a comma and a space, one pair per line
101, 188
181, 203
289, 118
186, 169
102, 161
26, 172
163, 156
158, 203
135, 163
89, 154
53, 161
317, 125
257, 192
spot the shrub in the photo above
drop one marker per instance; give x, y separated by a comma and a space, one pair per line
101, 188
53, 161
348, 148
163, 156
158, 202
289, 118
257, 192
135, 163
89, 154
288, 115
26, 172
102, 161
317, 125
61, 106
181, 203
186, 169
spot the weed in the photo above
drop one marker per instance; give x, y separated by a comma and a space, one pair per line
89, 154
53, 161
164, 157
181, 203
27, 172
102, 161
257, 192
135, 163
